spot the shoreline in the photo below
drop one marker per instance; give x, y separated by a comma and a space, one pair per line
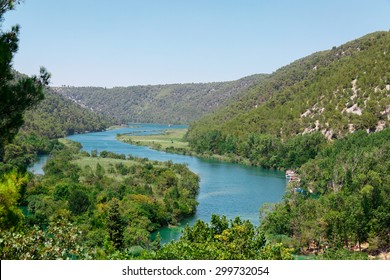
160, 142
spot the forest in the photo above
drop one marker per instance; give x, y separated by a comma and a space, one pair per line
114, 201
341, 205
325, 116
333, 92
55, 117
86, 206
165, 104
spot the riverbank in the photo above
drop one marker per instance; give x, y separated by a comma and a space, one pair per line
222, 184
147, 195
172, 141
225, 189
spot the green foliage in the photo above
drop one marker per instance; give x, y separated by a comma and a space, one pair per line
57, 117
78, 200
61, 192
171, 141
222, 239
279, 120
262, 149
52, 118
177, 103
333, 92
351, 208
115, 224
24, 149
342, 254
61, 240
11, 185
15, 96
116, 209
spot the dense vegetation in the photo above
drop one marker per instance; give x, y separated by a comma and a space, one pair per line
352, 203
18, 93
52, 118
57, 117
43, 123
333, 92
171, 141
223, 240
104, 206
177, 103
114, 201
16, 96
298, 118
85, 206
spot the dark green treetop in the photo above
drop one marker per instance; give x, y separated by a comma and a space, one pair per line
16, 96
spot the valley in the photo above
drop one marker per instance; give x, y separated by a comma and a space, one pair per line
325, 116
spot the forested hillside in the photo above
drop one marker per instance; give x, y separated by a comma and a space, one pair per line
342, 201
327, 117
57, 117
176, 103
52, 118
334, 92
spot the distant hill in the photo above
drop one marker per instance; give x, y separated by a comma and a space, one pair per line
175, 103
334, 92
52, 118
57, 116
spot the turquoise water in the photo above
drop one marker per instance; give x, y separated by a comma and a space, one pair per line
225, 188
37, 167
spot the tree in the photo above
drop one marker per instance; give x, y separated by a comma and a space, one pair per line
78, 201
222, 239
60, 240
115, 224
10, 214
99, 171
15, 96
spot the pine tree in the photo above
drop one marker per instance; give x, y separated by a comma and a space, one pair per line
115, 224
15, 96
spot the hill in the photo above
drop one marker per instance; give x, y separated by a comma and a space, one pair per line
57, 117
333, 92
327, 117
176, 103
52, 118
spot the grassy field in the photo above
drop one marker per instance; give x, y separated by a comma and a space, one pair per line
170, 139
117, 169
106, 163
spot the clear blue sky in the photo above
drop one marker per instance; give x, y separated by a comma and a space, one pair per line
132, 42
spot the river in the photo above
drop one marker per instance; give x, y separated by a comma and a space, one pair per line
37, 167
225, 188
